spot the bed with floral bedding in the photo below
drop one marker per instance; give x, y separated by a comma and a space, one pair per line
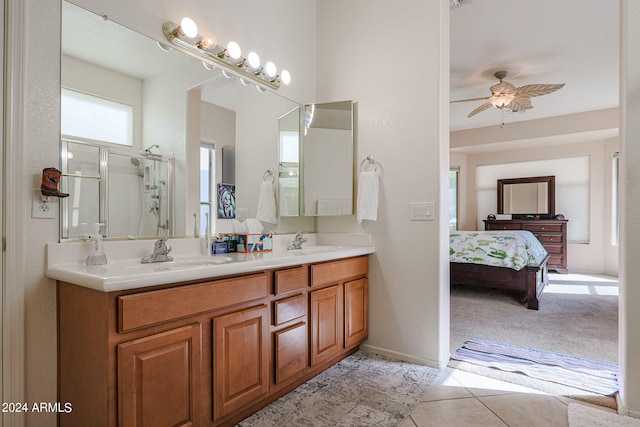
511, 259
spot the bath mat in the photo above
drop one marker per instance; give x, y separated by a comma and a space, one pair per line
583, 374
364, 390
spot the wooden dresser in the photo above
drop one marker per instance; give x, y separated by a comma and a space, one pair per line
552, 233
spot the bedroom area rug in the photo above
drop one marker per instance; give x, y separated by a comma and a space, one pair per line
587, 416
364, 389
575, 372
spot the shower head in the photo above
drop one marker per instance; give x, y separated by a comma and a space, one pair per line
148, 149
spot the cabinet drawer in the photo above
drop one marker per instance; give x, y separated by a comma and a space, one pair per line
557, 228
555, 260
553, 249
147, 308
289, 308
336, 271
550, 238
291, 279
505, 226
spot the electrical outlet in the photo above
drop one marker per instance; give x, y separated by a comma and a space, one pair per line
41, 208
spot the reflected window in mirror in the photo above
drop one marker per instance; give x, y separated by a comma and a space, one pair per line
207, 184
92, 117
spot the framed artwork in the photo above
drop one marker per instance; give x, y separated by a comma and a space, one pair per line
226, 201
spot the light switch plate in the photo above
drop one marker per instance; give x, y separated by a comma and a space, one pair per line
423, 211
41, 208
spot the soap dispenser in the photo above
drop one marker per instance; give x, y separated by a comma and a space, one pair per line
96, 247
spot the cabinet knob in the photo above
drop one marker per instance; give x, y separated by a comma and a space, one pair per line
542, 228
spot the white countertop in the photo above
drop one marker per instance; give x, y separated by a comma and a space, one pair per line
123, 271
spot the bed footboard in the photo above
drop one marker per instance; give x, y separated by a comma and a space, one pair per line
531, 280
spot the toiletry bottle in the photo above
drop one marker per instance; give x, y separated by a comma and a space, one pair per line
96, 247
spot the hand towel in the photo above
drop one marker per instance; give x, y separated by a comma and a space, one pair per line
368, 196
267, 203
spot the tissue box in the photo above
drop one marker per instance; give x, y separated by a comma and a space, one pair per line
255, 242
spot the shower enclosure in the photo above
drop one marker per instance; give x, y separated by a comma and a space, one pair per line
130, 192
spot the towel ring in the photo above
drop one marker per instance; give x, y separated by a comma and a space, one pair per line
266, 174
369, 161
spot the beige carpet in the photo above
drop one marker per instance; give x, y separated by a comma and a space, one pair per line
587, 416
578, 316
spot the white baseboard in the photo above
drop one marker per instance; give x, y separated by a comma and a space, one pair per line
441, 365
623, 410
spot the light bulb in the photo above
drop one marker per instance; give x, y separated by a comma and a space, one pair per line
261, 89
233, 49
254, 60
270, 69
208, 66
227, 74
502, 100
189, 27
209, 41
244, 81
285, 77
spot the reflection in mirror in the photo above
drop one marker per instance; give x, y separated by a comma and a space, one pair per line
176, 106
525, 197
327, 152
289, 167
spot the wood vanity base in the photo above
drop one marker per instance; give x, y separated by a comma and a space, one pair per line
208, 353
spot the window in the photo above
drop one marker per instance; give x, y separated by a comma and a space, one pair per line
92, 117
207, 185
615, 202
453, 199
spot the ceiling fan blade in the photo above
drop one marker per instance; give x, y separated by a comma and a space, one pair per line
480, 109
529, 91
470, 99
520, 104
503, 88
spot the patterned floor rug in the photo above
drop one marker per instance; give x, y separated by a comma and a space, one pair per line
576, 372
365, 389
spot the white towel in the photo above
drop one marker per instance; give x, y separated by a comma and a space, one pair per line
267, 203
368, 196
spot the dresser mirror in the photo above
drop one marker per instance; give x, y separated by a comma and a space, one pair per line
527, 198
161, 87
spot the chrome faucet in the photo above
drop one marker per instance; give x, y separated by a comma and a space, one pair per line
298, 240
160, 252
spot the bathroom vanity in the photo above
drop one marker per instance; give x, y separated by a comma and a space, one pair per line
209, 350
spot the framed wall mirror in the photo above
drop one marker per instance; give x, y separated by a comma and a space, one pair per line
524, 198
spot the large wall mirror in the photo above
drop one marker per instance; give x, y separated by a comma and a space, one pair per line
532, 197
140, 182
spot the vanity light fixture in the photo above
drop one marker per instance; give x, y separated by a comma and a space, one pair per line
229, 59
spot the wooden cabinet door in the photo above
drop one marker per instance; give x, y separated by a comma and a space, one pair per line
159, 379
356, 312
240, 359
290, 353
326, 322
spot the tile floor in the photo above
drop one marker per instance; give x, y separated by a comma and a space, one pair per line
459, 399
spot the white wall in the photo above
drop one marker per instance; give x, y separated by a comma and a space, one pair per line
630, 244
398, 120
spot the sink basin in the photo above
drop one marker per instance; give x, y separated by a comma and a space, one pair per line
308, 250
176, 264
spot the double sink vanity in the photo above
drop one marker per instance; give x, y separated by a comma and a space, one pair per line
202, 340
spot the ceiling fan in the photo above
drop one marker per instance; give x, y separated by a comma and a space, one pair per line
506, 95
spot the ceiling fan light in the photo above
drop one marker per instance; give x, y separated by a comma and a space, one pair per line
501, 101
